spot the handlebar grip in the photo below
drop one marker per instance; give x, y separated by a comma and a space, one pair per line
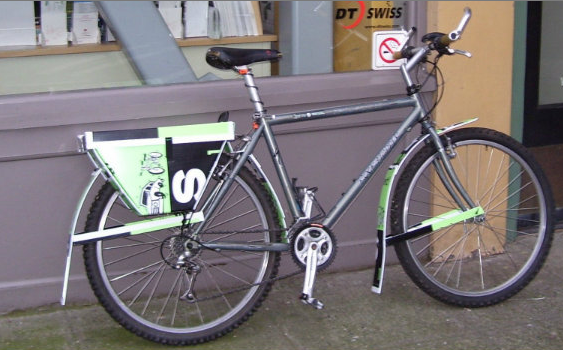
406, 52
445, 40
397, 55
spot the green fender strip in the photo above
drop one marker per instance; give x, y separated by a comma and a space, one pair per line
433, 224
450, 218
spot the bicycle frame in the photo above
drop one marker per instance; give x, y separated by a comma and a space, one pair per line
265, 123
263, 126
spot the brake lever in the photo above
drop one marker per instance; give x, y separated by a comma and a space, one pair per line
460, 52
410, 34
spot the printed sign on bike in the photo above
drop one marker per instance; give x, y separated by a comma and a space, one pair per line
188, 167
384, 45
160, 170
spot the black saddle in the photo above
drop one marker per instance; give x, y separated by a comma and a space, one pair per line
229, 58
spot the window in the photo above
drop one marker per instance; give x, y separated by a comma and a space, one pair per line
72, 48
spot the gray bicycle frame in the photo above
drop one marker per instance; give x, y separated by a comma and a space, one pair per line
265, 123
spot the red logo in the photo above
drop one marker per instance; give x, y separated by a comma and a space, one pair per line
341, 13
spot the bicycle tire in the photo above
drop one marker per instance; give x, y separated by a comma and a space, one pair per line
472, 263
142, 291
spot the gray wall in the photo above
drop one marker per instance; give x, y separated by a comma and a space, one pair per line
43, 175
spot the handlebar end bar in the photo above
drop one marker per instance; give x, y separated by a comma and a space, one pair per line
456, 34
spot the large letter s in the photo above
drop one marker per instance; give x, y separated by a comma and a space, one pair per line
183, 185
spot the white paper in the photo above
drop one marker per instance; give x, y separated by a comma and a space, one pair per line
171, 11
195, 18
53, 23
17, 23
85, 23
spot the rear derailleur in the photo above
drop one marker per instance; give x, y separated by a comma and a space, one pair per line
179, 252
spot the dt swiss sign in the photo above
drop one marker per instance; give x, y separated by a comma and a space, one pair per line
384, 44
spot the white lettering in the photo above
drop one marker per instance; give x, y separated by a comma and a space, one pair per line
183, 185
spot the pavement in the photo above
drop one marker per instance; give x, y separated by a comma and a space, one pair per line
402, 317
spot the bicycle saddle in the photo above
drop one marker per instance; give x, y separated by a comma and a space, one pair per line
228, 58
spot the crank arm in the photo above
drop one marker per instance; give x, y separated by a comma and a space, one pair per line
310, 275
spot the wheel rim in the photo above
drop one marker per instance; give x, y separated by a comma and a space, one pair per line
479, 258
148, 290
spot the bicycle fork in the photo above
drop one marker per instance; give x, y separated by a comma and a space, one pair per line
445, 171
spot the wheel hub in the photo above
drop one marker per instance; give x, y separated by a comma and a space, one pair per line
177, 251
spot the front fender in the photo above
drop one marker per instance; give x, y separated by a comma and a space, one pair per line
385, 198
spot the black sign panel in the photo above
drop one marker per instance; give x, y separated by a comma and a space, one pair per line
189, 165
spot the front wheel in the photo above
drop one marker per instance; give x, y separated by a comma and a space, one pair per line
139, 282
485, 260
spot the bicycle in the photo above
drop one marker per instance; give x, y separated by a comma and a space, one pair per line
182, 243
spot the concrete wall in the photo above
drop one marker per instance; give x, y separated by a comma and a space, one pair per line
42, 174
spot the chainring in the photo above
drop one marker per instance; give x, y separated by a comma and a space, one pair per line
307, 235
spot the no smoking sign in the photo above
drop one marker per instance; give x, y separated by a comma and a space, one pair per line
384, 44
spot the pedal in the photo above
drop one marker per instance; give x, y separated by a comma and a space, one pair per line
314, 302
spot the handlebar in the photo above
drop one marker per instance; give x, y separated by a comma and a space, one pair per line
439, 41
456, 34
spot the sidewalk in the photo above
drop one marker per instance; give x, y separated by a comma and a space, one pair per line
402, 317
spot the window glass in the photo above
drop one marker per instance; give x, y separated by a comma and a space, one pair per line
354, 25
333, 36
65, 45
551, 57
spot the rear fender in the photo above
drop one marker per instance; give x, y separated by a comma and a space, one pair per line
273, 195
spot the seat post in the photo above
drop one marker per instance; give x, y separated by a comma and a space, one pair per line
252, 90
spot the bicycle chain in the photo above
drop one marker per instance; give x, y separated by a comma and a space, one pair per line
239, 289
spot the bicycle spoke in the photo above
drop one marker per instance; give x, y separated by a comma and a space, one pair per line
241, 231
209, 266
218, 287
131, 255
219, 210
142, 289
165, 304
480, 259
438, 194
151, 294
232, 219
241, 261
136, 282
136, 271
132, 245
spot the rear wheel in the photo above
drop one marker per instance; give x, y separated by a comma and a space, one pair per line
138, 282
482, 261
